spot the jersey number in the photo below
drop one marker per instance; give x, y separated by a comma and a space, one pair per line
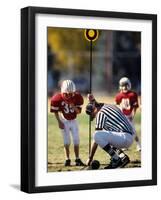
67, 108
125, 104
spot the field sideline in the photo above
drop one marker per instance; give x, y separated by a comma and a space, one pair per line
55, 142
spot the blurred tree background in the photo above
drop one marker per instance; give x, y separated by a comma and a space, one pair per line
69, 45
115, 54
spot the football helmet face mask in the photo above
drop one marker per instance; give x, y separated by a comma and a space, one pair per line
124, 84
68, 90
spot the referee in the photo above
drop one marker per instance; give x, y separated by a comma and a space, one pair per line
112, 133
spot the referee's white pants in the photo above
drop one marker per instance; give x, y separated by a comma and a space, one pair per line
116, 139
70, 127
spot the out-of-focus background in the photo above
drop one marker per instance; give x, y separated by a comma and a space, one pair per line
115, 54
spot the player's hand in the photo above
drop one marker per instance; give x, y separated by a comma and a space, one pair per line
61, 125
76, 109
88, 162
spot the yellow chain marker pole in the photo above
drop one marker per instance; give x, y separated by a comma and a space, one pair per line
91, 35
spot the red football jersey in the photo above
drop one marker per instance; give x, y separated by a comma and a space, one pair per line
127, 101
59, 104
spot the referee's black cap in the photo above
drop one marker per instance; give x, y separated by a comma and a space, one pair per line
98, 105
90, 108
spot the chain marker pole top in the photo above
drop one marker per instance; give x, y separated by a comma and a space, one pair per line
91, 34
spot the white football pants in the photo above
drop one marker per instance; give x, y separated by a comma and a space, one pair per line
116, 139
70, 126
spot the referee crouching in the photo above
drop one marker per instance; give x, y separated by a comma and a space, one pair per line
112, 133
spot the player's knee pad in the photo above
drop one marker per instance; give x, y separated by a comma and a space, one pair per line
76, 140
66, 141
75, 135
66, 137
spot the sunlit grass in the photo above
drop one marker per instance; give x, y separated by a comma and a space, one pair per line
55, 143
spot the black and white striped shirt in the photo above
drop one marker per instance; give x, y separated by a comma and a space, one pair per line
111, 118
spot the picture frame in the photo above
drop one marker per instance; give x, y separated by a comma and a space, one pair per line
30, 48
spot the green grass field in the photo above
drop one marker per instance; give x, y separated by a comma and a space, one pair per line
56, 150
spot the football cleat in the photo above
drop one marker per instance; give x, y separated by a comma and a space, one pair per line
78, 162
118, 163
138, 148
67, 162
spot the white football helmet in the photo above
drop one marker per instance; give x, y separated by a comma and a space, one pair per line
125, 84
68, 86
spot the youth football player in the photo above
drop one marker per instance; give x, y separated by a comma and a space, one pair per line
66, 106
128, 103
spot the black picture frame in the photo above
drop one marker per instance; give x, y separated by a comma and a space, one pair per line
28, 98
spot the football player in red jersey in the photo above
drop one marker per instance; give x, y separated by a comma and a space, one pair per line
66, 105
128, 103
